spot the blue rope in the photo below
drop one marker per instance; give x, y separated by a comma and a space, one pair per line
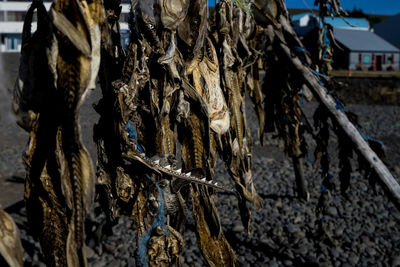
327, 180
299, 49
308, 156
301, 53
323, 188
132, 135
367, 138
159, 220
318, 73
339, 105
326, 41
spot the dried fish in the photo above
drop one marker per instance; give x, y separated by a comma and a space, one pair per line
10, 242
172, 102
236, 145
60, 178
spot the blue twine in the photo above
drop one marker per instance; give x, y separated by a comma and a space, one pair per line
308, 156
159, 220
299, 49
318, 73
132, 135
326, 42
326, 180
301, 52
318, 77
323, 188
339, 105
364, 136
367, 138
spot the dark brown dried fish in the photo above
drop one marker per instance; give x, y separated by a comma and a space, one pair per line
60, 181
236, 145
10, 242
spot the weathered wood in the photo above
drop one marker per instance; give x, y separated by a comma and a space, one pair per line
301, 185
360, 144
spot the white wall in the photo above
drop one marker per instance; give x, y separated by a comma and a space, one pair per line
303, 22
354, 60
18, 6
14, 27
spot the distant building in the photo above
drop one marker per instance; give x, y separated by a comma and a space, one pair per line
364, 50
305, 22
360, 24
361, 48
389, 30
12, 16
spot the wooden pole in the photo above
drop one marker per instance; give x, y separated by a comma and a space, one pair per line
301, 185
360, 144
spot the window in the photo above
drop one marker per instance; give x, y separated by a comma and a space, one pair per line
12, 42
391, 59
366, 59
16, 15
34, 17
124, 17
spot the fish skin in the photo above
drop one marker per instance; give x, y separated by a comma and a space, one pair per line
214, 247
76, 76
10, 242
59, 172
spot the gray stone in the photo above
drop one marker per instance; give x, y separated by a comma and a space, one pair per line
370, 251
288, 263
334, 252
332, 211
396, 261
273, 263
238, 227
114, 263
291, 228
100, 263
353, 259
339, 231
89, 252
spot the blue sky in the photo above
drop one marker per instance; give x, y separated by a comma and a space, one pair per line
387, 7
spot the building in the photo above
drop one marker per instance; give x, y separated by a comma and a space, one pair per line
364, 50
360, 48
389, 30
305, 22
12, 15
359, 24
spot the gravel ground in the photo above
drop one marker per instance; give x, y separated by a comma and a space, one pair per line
363, 227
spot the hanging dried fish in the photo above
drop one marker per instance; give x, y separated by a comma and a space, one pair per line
105, 132
236, 144
10, 243
198, 143
178, 90
60, 182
